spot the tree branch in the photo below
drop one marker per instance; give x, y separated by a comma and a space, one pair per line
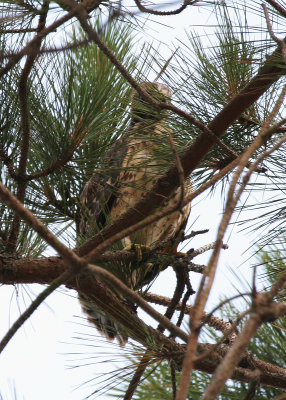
277, 7
25, 126
46, 269
262, 311
164, 13
29, 48
266, 76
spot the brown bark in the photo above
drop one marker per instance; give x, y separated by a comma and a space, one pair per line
45, 270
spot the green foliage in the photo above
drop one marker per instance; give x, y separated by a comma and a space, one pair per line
267, 345
210, 70
79, 97
77, 104
157, 384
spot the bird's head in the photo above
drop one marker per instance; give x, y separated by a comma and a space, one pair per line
141, 110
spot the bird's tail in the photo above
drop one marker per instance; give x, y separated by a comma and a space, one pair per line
104, 325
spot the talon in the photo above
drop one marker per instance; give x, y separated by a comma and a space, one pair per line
138, 248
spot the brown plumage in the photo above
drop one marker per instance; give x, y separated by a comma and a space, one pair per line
129, 170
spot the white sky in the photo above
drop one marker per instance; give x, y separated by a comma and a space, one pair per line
36, 361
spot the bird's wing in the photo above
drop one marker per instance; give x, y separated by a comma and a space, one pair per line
101, 190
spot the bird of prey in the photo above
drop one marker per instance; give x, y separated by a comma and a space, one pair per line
129, 170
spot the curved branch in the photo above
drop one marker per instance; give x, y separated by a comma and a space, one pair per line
163, 13
277, 7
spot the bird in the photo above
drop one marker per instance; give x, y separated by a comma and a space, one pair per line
129, 169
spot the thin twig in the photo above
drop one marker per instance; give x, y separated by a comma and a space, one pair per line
143, 364
76, 264
9, 164
75, 140
147, 357
179, 290
173, 379
25, 30
227, 334
12, 202
205, 248
215, 322
183, 307
221, 304
163, 13
48, 50
198, 268
262, 311
281, 43
165, 66
195, 233
180, 173
252, 390
60, 205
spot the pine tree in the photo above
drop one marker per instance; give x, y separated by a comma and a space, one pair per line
68, 73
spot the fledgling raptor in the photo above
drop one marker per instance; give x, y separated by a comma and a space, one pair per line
129, 170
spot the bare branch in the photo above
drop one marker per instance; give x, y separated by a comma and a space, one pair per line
205, 248
195, 233
50, 50
227, 334
211, 320
26, 30
144, 362
164, 13
277, 7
